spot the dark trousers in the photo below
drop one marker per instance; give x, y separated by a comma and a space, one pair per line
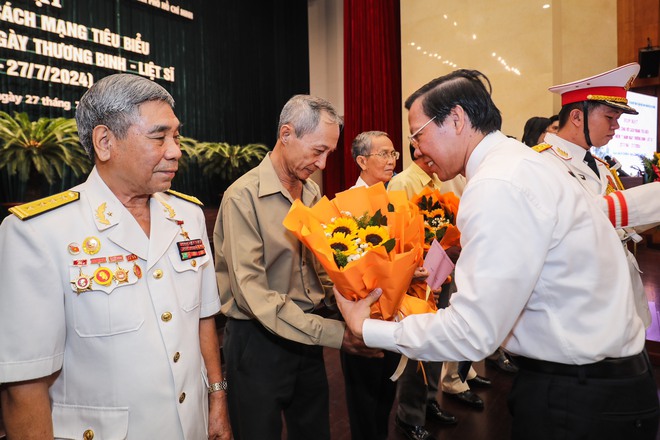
553, 407
268, 377
369, 393
413, 393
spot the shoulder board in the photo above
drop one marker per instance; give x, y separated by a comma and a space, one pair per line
186, 197
33, 209
541, 147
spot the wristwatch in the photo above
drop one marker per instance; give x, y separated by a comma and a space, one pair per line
218, 386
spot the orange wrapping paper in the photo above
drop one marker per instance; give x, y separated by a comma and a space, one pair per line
391, 272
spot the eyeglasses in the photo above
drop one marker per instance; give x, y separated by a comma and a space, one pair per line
413, 137
385, 155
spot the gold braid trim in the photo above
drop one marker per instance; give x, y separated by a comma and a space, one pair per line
607, 98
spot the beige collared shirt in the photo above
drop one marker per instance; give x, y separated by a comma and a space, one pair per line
413, 180
264, 272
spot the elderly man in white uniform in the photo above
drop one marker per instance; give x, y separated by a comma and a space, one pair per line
541, 273
108, 289
589, 116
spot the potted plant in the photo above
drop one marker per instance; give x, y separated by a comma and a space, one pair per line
36, 153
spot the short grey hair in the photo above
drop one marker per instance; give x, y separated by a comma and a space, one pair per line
303, 112
361, 145
114, 102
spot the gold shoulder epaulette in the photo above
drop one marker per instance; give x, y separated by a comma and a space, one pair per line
190, 199
541, 147
33, 209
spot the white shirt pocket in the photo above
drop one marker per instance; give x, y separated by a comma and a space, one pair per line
79, 422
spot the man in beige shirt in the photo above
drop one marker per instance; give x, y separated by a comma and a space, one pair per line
273, 290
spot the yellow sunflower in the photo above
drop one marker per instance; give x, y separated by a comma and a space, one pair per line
344, 248
373, 235
344, 225
343, 243
437, 213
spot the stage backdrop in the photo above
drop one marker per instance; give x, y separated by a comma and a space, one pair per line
229, 64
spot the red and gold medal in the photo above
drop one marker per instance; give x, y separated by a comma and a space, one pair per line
137, 271
73, 248
103, 276
82, 283
121, 274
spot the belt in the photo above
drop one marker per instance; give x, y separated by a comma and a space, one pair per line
608, 368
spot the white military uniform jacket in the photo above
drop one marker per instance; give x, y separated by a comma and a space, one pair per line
85, 291
625, 208
541, 273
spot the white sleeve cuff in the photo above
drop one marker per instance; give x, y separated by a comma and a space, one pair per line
380, 334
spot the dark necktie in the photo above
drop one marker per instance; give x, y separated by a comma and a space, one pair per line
589, 159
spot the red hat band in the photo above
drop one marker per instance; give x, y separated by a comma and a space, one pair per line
616, 94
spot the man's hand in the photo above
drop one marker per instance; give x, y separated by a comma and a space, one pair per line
453, 252
355, 312
354, 345
421, 274
219, 427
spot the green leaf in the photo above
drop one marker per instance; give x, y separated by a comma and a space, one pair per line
340, 259
46, 145
389, 244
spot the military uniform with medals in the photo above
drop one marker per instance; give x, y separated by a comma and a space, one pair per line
87, 293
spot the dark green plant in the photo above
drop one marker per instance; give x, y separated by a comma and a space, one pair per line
189, 153
47, 146
229, 161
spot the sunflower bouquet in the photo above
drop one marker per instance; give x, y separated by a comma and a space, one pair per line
439, 211
352, 237
365, 238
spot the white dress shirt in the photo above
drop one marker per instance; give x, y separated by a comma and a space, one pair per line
541, 273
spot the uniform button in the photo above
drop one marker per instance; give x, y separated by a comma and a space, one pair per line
177, 355
308, 291
193, 263
182, 397
158, 274
166, 316
88, 435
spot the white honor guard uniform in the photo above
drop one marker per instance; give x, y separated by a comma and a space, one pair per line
86, 292
626, 209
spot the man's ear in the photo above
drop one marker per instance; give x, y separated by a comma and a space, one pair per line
362, 162
576, 117
286, 131
458, 117
103, 139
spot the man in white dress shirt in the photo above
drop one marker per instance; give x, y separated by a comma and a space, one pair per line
541, 273
108, 290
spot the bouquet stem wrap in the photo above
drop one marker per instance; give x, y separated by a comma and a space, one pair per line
392, 271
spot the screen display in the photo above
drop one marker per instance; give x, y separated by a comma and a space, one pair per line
637, 134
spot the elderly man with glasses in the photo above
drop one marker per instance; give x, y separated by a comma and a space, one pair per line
369, 391
374, 153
